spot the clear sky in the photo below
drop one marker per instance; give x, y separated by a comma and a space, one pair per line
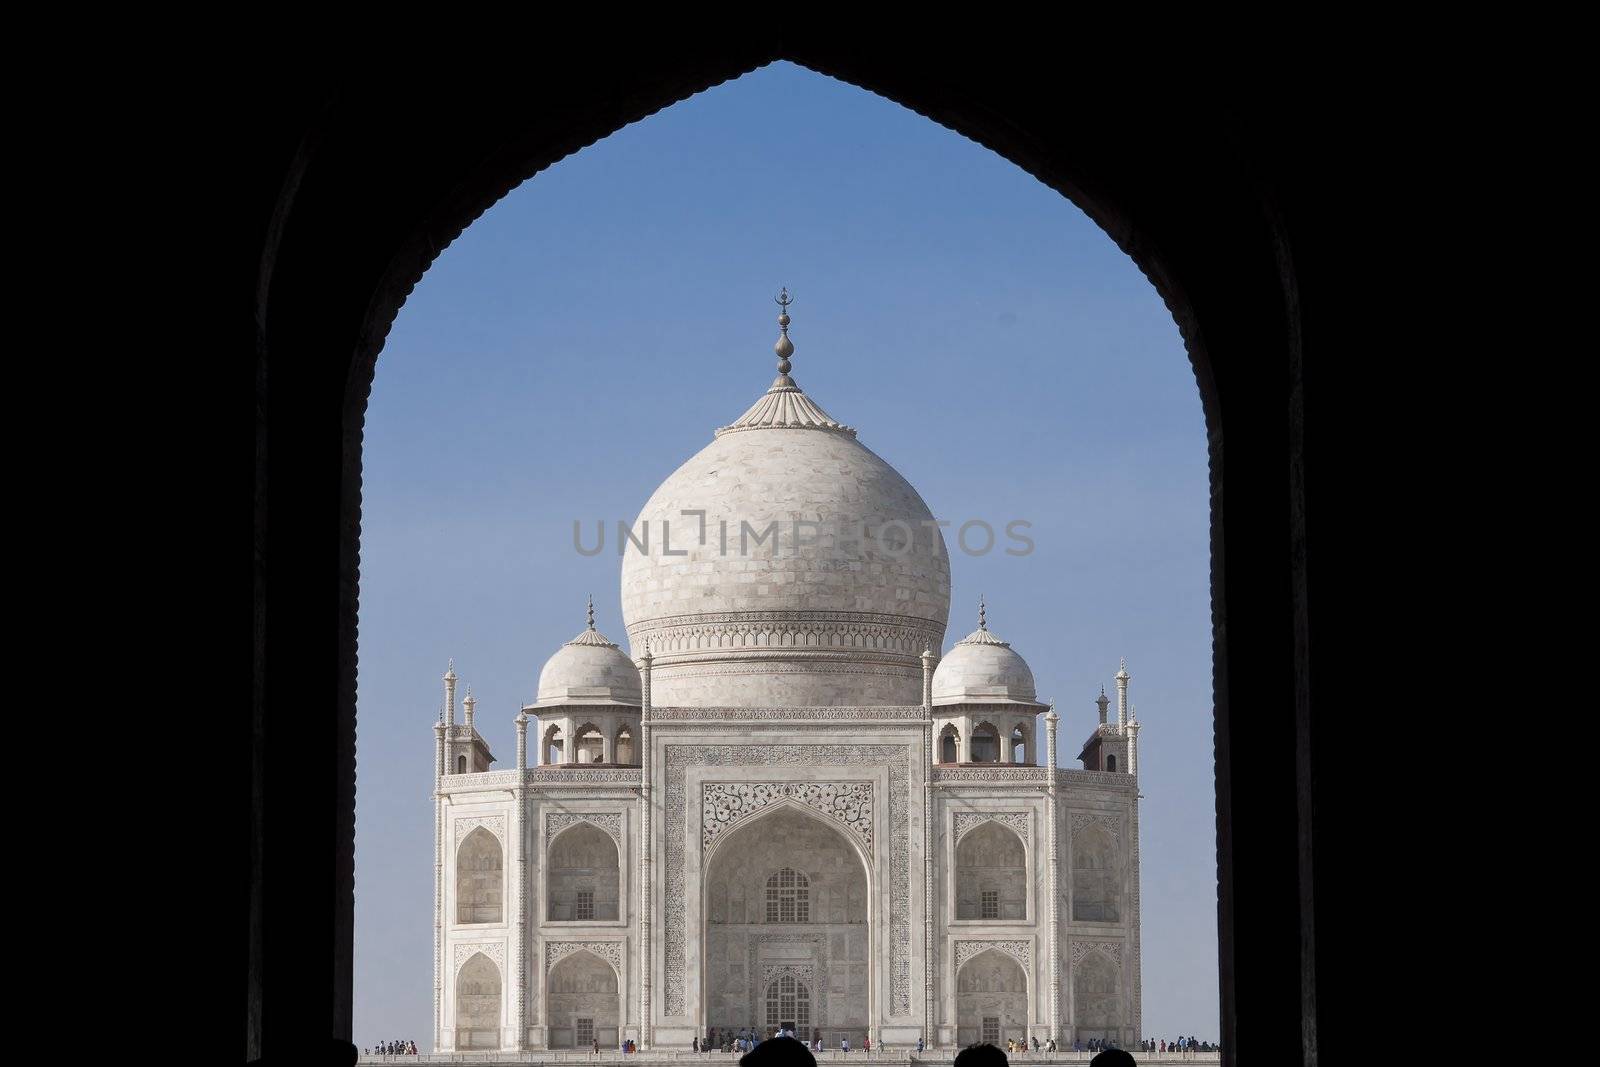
586, 335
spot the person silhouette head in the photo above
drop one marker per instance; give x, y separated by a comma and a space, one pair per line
778, 1052
1113, 1057
982, 1054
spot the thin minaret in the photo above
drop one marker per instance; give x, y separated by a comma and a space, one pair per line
1122, 698
646, 1023
1051, 720
450, 695
1102, 704
929, 660
1133, 742
468, 704
522, 739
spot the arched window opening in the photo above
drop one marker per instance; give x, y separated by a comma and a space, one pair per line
552, 745
950, 745
1019, 745
591, 744
985, 744
480, 881
624, 746
789, 1006
461, 764
1111, 762
788, 897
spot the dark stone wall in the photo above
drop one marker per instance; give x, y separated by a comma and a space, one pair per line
1234, 184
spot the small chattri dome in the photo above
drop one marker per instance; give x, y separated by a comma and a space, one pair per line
982, 669
589, 669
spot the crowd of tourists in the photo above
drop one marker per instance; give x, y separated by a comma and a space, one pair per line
745, 1039
1183, 1044
392, 1048
1016, 1045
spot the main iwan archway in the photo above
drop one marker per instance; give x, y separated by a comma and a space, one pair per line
787, 937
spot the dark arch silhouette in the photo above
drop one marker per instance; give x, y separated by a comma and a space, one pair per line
354, 191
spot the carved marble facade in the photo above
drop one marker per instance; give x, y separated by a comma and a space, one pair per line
780, 805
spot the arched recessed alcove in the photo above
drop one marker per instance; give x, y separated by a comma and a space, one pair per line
786, 895
584, 881
582, 1002
991, 875
991, 1000
480, 879
1209, 249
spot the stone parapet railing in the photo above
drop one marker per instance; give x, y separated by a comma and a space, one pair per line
684, 1058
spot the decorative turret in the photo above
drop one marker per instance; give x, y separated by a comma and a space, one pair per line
1110, 746
986, 697
588, 702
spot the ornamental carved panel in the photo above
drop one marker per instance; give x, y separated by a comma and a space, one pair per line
495, 824
902, 762
1020, 950
805, 972
1110, 949
970, 820
725, 804
557, 821
1111, 824
495, 950
556, 951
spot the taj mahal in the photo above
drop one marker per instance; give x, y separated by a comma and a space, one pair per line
787, 803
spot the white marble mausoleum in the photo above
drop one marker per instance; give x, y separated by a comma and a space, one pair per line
787, 803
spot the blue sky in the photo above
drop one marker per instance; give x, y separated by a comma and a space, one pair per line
586, 335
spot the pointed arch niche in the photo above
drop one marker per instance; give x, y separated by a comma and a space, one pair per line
583, 1001
787, 900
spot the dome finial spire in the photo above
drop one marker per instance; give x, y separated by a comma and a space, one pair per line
983, 612
785, 347
591, 611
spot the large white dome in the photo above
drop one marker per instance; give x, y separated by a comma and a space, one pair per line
816, 577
